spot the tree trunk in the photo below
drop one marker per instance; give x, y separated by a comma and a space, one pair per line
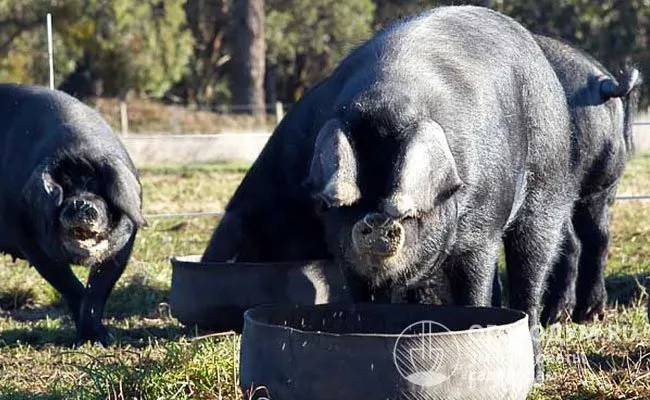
247, 64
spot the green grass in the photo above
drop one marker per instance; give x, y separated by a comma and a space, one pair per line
157, 358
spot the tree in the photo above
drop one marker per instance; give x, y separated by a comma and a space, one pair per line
23, 40
614, 31
388, 11
307, 38
205, 79
248, 52
141, 46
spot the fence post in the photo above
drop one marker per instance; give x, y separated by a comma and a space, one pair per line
49, 49
173, 119
124, 118
279, 112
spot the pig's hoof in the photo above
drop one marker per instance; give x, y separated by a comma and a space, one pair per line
99, 336
593, 309
558, 311
592, 313
561, 314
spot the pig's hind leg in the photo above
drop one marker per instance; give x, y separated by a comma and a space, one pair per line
591, 221
531, 246
560, 295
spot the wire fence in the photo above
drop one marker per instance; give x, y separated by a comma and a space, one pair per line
621, 197
151, 117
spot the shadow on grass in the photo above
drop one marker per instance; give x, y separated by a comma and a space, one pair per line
136, 298
38, 336
64, 336
18, 395
34, 314
131, 300
623, 290
136, 305
636, 360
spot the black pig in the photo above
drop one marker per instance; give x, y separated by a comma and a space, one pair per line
602, 107
427, 146
69, 195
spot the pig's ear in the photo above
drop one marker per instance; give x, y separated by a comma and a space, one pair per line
41, 191
427, 173
333, 168
123, 190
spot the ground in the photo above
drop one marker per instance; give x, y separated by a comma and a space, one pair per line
157, 358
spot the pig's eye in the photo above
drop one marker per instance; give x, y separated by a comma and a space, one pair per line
92, 185
66, 180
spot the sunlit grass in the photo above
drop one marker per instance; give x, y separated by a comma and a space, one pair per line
157, 358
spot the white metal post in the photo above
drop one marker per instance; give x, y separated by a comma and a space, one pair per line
279, 112
49, 48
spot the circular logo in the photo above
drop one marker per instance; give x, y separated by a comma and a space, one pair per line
421, 358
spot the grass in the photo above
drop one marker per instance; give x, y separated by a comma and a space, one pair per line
157, 358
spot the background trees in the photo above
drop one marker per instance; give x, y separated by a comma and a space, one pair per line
199, 51
141, 46
248, 51
306, 39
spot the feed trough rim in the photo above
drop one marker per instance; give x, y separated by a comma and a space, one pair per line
523, 319
194, 261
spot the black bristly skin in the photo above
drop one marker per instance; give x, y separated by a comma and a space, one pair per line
454, 124
601, 105
63, 167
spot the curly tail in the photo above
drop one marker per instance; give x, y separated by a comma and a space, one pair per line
624, 86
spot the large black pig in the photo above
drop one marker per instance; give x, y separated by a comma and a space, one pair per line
602, 107
69, 194
427, 146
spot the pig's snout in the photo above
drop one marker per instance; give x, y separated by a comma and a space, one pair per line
79, 212
84, 216
378, 235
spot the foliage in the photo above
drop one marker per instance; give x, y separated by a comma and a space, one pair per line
307, 38
141, 46
23, 39
614, 31
152, 45
205, 80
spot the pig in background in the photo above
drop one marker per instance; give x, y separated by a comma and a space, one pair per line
602, 107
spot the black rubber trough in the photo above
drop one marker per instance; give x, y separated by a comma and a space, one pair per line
214, 296
389, 351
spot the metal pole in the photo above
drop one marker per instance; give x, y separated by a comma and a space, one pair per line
49, 48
